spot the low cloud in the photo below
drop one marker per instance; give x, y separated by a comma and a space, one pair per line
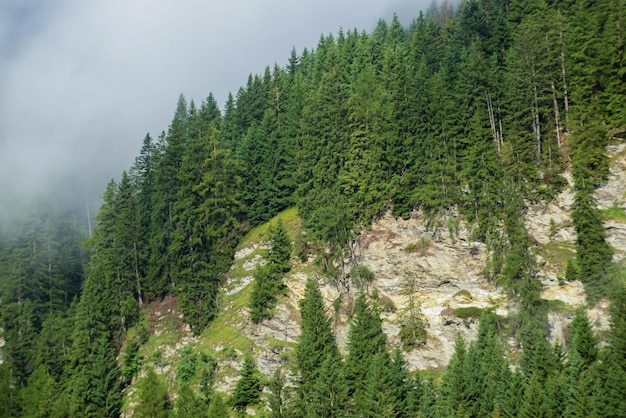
81, 82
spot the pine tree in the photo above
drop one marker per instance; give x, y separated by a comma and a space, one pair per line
579, 387
377, 397
593, 253
533, 402
217, 407
583, 341
316, 342
268, 282
279, 401
454, 386
609, 374
413, 331
248, 388
366, 173
428, 407
328, 393
405, 389
365, 340
8, 395
39, 395
510, 403
485, 368
153, 396
212, 221
188, 404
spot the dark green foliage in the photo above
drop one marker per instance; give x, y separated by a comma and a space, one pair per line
317, 356
534, 402
96, 387
365, 340
454, 386
248, 387
478, 379
579, 387
428, 402
38, 398
582, 339
571, 270
316, 339
593, 253
376, 398
132, 361
153, 396
510, 402
328, 396
609, 380
413, 331
187, 366
218, 408
279, 401
207, 229
188, 404
405, 389
468, 113
8, 395
268, 283
618, 326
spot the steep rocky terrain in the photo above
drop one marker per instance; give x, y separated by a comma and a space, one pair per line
443, 264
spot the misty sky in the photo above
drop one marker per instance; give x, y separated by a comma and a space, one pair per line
83, 81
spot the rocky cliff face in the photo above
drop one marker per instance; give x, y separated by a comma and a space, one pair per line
445, 268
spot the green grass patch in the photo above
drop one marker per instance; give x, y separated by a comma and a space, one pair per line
558, 253
225, 329
463, 293
558, 306
310, 269
420, 247
278, 343
238, 272
469, 312
615, 213
291, 222
287, 350
434, 375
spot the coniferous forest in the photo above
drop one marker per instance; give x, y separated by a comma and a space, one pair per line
474, 110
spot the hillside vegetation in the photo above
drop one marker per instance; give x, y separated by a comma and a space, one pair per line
467, 119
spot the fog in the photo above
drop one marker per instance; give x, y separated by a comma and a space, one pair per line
82, 82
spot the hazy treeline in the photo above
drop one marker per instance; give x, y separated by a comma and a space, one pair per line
472, 112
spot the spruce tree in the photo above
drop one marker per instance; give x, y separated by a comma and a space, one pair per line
279, 401
454, 386
316, 342
377, 398
534, 403
248, 388
328, 396
593, 253
583, 341
268, 282
153, 397
188, 404
365, 340
217, 407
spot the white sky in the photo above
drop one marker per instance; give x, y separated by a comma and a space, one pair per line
83, 81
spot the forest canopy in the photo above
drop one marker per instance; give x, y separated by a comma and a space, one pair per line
471, 111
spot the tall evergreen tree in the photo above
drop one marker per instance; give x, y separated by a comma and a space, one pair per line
365, 340
316, 345
153, 397
248, 388
268, 282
